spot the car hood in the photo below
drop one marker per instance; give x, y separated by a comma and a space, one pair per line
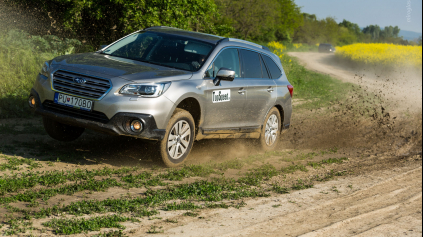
116, 68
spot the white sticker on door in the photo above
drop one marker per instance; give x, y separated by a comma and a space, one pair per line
221, 96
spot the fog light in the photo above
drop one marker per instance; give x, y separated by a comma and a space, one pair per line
136, 126
31, 101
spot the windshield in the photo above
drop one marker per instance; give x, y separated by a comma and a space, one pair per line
162, 49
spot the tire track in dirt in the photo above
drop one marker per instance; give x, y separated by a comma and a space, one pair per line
379, 204
382, 202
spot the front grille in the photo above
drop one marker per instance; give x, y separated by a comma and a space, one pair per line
75, 113
93, 88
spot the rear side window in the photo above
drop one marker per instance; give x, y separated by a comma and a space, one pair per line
251, 65
264, 70
275, 71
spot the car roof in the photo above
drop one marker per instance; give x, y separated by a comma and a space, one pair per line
214, 39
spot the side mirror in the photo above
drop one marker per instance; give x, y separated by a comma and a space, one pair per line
224, 74
103, 46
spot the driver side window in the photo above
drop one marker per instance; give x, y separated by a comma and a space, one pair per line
228, 58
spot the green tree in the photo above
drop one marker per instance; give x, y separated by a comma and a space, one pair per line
388, 35
352, 27
290, 19
373, 30
251, 19
103, 21
346, 36
317, 31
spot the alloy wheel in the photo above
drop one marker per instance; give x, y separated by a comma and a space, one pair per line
179, 139
272, 127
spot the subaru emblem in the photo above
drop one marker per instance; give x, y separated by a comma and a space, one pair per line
80, 80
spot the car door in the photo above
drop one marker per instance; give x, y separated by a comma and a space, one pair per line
261, 88
225, 105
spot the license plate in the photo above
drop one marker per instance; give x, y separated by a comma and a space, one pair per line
74, 102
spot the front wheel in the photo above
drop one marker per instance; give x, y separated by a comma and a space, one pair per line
179, 138
269, 138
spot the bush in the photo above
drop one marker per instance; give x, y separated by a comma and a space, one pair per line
21, 58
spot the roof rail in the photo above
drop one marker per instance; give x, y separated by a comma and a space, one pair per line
158, 27
244, 42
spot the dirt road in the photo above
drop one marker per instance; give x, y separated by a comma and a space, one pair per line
401, 87
383, 203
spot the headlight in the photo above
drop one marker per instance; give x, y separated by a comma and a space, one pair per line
145, 90
46, 69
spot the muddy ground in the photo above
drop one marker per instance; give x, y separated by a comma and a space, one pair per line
381, 139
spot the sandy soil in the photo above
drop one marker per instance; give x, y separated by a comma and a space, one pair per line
381, 203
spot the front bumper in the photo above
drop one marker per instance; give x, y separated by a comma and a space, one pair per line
117, 125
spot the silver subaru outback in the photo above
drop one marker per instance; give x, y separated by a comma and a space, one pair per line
168, 85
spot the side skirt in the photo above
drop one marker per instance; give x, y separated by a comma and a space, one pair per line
246, 132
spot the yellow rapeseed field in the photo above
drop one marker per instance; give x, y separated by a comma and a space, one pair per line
382, 54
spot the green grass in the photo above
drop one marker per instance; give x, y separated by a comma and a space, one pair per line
113, 233
21, 181
21, 59
327, 162
301, 185
187, 171
18, 226
155, 230
181, 206
191, 214
293, 168
14, 163
280, 190
162, 193
173, 221
46, 194
80, 225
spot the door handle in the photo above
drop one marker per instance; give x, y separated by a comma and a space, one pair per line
270, 89
241, 91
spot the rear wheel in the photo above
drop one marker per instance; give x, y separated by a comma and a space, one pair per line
270, 134
179, 138
62, 132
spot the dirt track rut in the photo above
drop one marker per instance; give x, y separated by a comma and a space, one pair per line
383, 203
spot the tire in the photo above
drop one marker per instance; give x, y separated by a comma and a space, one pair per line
270, 135
179, 138
62, 132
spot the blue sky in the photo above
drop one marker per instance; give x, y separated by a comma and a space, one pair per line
369, 12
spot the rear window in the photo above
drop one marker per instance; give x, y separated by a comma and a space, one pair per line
275, 71
251, 65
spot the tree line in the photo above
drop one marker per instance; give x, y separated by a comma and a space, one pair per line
103, 21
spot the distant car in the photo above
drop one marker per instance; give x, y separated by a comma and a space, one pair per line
326, 48
168, 85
